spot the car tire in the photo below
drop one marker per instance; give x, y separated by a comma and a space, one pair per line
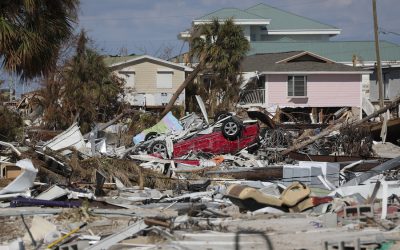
150, 136
221, 115
159, 147
231, 128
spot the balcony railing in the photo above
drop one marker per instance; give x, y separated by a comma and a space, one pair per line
254, 96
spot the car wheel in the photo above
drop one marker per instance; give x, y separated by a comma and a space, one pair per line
150, 136
231, 128
221, 115
158, 147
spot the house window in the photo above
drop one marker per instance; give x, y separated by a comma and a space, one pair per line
297, 85
129, 77
164, 79
386, 86
261, 82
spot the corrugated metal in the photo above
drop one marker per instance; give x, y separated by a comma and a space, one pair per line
281, 19
228, 13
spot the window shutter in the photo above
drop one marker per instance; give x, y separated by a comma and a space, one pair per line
290, 86
164, 80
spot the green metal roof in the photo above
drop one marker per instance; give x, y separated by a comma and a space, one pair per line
227, 13
339, 51
110, 60
283, 20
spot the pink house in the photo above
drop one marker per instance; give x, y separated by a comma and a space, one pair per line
300, 79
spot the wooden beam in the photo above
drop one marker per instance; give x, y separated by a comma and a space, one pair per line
352, 122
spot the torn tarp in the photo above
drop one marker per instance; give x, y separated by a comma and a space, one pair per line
167, 123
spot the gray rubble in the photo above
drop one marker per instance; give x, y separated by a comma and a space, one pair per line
225, 183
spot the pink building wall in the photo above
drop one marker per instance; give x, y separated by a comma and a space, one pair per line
323, 90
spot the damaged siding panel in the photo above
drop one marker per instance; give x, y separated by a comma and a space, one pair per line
323, 90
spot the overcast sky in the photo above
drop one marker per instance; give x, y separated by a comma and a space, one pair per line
150, 26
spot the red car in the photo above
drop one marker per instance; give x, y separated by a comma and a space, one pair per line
230, 137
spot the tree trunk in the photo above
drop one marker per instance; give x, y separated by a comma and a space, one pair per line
112, 121
175, 96
352, 122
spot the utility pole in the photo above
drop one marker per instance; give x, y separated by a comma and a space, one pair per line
378, 58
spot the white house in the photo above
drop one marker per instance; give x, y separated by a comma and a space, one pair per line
150, 81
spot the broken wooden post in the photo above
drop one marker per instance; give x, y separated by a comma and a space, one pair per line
175, 96
155, 222
351, 122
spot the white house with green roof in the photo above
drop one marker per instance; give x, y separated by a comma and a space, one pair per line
149, 81
272, 30
266, 23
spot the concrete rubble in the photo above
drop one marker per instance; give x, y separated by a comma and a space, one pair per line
238, 181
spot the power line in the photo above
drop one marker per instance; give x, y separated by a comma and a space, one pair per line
96, 18
139, 40
304, 3
385, 31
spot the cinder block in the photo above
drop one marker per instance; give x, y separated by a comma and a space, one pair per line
358, 211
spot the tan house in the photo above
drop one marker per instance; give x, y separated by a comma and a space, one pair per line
150, 81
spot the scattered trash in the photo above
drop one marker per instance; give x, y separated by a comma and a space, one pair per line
238, 179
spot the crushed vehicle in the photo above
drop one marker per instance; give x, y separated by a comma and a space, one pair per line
192, 134
226, 136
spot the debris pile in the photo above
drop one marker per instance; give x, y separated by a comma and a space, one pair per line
236, 181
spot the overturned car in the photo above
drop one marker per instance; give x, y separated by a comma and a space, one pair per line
228, 134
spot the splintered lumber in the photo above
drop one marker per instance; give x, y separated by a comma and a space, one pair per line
276, 172
263, 173
351, 122
388, 165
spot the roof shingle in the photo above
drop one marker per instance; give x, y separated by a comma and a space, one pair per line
268, 62
339, 51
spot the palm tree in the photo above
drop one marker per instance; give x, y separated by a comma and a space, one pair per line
220, 47
32, 32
